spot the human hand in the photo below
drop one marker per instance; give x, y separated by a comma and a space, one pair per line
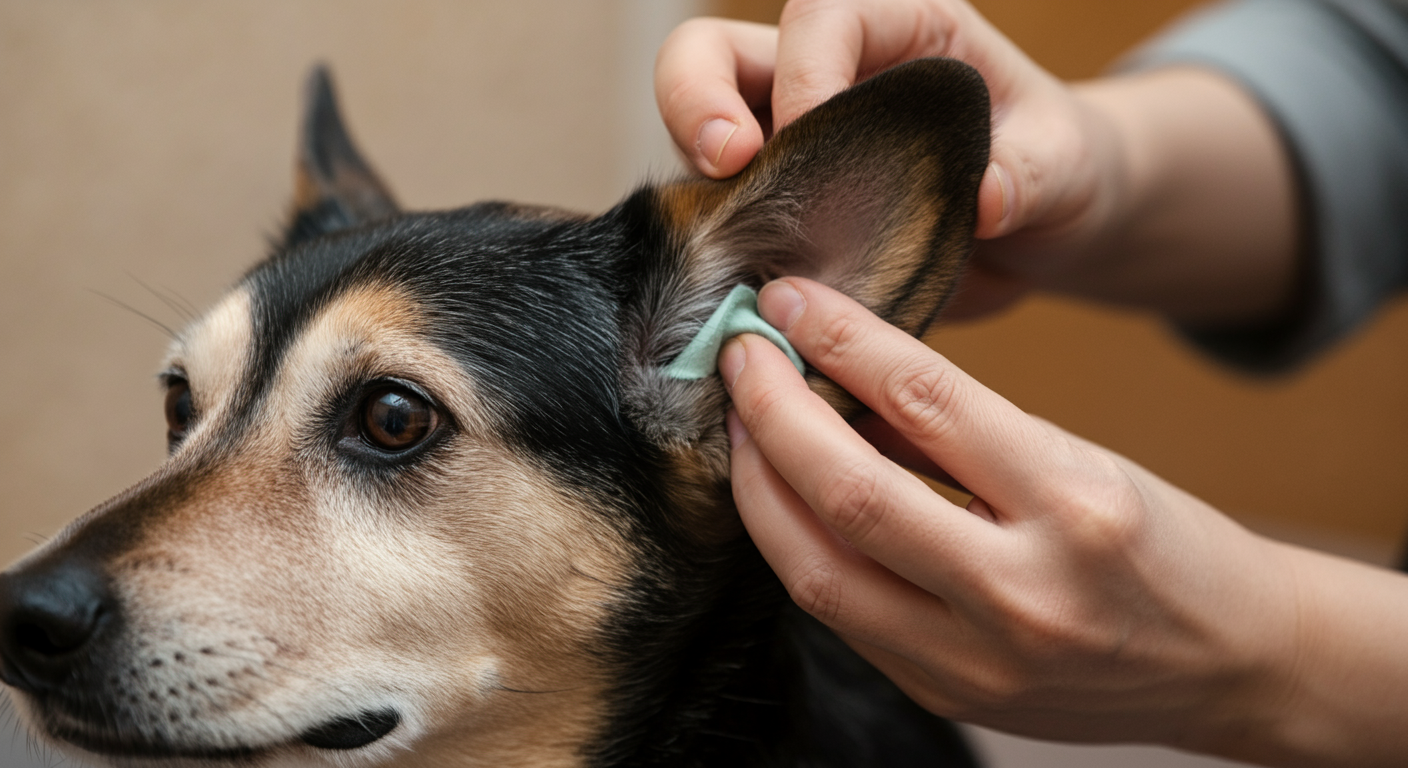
1078, 597
1168, 190
723, 86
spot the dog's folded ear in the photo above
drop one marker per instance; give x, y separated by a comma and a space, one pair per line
334, 188
873, 192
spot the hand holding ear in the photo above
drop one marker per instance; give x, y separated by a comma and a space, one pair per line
1078, 597
724, 86
1168, 190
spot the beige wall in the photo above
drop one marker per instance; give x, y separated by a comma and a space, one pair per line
1326, 448
150, 142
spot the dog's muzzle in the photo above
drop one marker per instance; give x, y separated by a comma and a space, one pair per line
61, 642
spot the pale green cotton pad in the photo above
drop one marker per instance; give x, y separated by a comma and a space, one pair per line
738, 314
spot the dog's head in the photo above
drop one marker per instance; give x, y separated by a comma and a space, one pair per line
428, 488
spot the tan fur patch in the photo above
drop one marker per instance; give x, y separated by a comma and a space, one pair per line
214, 352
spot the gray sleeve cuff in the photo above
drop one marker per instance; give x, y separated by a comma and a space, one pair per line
1334, 77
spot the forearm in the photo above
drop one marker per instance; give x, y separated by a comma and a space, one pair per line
1204, 227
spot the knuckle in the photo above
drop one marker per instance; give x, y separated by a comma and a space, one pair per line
701, 30
817, 590
1001, 688
1054, 639
679, 99
1103, 511
986, 686
759, 403
796, 10
835, 339
926, 399
854, 500
1053, 626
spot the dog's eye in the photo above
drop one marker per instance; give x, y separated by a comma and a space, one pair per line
394, 419
178, 409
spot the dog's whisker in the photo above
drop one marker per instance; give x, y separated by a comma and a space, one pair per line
163, 326
186, 312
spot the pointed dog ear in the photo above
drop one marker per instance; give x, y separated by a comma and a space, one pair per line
874, 192
334, 188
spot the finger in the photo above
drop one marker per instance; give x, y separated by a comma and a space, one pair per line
1041, 166
826, 46
989, 445
897, 448
912, 677
819, 49
875, 506
832, 581
710, 74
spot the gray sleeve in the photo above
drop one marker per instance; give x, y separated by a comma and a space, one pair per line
1333, 75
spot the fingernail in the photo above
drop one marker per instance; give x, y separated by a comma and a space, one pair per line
713, 137
737, 433
731, 360
781, 304
1004, 182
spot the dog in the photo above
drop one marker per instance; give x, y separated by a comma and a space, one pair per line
430, 500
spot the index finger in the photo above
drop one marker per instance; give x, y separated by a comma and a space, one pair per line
881, 510
985, 442
825, 46
710, 74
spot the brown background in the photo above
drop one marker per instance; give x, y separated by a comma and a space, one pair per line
149, 142
1323, 450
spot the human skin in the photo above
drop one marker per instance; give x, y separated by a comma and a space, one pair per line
1078, 596
1167, 190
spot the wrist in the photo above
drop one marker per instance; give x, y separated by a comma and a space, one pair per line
1331, 695
1252, 713
1199, 217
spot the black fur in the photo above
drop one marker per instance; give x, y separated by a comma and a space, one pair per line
713, 670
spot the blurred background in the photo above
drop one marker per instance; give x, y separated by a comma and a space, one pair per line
145, 155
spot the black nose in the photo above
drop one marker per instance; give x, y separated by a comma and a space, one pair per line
49, 616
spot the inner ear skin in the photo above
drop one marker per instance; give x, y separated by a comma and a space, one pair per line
874, 192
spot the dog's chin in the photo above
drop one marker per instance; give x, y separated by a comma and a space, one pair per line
126, 749
339, 734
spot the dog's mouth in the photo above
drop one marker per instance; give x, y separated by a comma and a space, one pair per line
340, 734
353, 731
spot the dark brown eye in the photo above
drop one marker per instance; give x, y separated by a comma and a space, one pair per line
394, 419
178, 409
